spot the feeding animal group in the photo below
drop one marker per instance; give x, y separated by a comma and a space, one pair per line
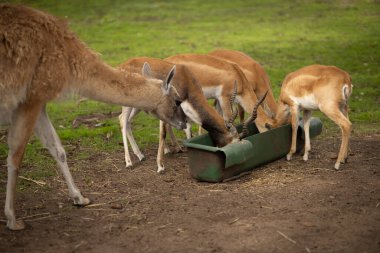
41, 59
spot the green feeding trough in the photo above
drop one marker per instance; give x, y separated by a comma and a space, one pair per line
212, 164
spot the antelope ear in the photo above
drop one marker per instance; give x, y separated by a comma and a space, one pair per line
146, 70
169, 77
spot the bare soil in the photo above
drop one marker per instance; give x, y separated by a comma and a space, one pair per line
293, 206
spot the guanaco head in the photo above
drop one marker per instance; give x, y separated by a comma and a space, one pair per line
229, 124
169, 109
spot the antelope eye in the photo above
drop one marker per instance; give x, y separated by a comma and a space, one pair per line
178, 103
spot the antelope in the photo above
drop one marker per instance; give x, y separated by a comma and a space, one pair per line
194, 104
255, 74
216, 77
316, 87
40, 58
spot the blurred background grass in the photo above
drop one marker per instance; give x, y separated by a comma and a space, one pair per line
282, 35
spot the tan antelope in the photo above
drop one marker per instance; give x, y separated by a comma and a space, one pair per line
217, 77
194, 104
255, 74
316, 87
40, 58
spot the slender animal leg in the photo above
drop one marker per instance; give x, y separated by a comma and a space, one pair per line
129, 134
188, 130
20, 130
125, 123
177, 147
345, 125
166, 148
161, 143
306, 124
200, 130
294, 112
49, 138
344, 110
165, 145
123, 118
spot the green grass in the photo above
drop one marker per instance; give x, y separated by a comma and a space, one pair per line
282, 35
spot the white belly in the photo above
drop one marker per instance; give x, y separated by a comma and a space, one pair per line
212, 92
307, 102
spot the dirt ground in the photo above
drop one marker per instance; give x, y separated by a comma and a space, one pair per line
281, 207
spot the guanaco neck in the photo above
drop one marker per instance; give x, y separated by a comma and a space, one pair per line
99, 81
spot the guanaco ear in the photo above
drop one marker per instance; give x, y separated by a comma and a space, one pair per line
146, 70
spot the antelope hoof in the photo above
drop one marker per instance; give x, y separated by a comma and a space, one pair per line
160, 169
178, 149
16, 225
337, 165
166, 150
81, 201
305, 157
289, 156
128, 163
141, 157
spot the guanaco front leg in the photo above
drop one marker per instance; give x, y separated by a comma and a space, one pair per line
49, 138
19, 133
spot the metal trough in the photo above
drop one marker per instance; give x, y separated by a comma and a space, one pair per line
212, 164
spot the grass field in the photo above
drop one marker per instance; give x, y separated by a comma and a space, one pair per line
282, 35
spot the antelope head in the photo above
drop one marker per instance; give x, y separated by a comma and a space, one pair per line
229, 123
282, 116
169, 109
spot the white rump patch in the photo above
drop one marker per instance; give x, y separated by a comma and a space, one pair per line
307, 102
346, 92
190, 112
